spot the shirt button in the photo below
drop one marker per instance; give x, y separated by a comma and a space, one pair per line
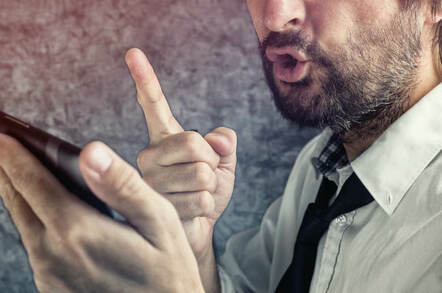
341, 220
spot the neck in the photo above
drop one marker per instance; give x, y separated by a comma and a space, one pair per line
356, 142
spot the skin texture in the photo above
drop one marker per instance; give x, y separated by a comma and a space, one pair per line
187, 178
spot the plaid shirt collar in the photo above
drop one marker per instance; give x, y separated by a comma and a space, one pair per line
332, 157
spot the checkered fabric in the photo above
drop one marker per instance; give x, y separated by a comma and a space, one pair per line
332, 157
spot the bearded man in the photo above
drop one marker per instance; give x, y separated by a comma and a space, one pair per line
362, 209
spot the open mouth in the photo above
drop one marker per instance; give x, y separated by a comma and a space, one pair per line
287, 60
289, 65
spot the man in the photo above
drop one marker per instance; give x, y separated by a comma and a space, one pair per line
368, 71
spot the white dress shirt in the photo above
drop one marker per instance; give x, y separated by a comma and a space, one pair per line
393, 244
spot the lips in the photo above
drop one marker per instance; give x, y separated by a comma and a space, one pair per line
289, 65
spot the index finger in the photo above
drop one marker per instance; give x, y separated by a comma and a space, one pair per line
159, 118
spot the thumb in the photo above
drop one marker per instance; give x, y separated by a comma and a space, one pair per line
224, 141
120, 186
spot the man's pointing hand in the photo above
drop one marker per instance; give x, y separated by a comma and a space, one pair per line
195, 173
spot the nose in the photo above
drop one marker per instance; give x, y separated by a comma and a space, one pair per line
281, 15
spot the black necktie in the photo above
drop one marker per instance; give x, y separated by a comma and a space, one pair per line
315, 223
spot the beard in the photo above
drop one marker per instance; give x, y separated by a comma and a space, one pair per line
357, 91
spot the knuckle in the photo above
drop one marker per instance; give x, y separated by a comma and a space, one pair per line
65, 234
144, 158
75, 235
206, 202
191, 137
192, 143
204, 177
70, 231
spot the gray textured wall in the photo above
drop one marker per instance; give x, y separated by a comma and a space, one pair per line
62, 69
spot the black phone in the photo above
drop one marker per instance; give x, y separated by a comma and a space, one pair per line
59, 156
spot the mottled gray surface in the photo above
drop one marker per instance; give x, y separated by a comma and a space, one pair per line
62, 69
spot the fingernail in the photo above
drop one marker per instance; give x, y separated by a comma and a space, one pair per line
99, 160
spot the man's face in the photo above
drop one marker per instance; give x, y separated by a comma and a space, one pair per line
346, 64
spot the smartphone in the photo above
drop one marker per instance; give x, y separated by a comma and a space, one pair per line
59, 156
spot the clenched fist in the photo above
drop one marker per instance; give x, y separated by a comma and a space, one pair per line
195, 173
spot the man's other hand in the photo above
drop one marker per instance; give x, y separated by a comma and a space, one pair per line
74, 248
196, 174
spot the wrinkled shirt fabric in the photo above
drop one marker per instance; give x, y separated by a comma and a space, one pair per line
393, 244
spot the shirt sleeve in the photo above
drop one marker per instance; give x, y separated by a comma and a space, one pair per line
245, 266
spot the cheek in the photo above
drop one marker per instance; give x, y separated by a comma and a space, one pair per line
331, 22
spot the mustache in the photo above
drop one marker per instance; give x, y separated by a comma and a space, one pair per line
294, 39
299, 41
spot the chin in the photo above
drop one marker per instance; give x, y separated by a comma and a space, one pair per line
303, 94
301, 109
304, 103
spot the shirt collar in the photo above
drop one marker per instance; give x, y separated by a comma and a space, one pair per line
393, 162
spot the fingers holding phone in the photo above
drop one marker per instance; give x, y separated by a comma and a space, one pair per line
73, 248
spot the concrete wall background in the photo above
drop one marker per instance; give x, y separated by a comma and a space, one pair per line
62, 69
